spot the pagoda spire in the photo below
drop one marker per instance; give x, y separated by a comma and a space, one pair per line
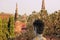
16, 12
43, 5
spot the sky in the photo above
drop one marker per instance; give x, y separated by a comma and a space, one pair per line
27, 6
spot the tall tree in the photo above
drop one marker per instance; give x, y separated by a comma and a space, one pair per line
5, 29
11, 26
1, 33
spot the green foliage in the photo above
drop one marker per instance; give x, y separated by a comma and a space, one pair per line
11, 27
1, 33
28, 35
51, 21
30, 31
5, 26
53, 27
3, 29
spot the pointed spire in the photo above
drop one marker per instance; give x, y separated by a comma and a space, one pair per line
16, 8
16, 12
43, 5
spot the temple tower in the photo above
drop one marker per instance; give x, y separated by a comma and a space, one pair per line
16, 12
43, 10
43, 5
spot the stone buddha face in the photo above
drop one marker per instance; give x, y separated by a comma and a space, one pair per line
38, 26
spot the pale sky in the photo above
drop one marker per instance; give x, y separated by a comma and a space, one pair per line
27, 6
